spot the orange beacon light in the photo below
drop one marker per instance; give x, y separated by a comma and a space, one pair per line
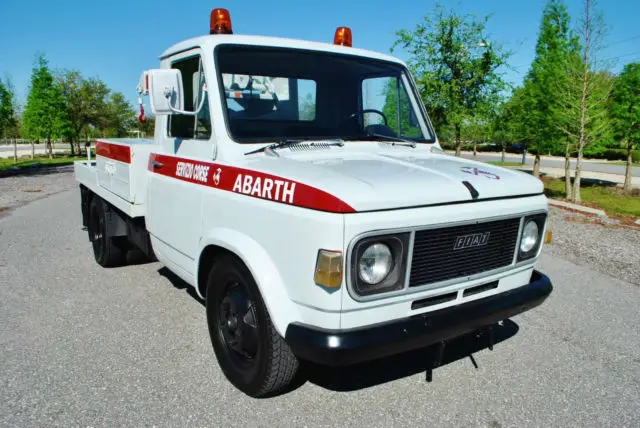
343, 36
220, 22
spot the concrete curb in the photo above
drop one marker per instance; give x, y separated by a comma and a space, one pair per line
577, 208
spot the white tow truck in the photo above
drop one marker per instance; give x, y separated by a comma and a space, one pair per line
300, 189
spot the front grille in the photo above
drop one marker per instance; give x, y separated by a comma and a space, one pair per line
459, 251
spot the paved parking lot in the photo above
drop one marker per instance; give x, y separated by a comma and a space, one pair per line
82, 345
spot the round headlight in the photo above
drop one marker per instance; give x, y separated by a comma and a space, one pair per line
375, 263
529, 236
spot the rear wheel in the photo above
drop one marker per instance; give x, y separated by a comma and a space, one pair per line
106, 250
251, 353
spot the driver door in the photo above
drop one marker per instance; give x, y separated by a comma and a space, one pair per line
174, 205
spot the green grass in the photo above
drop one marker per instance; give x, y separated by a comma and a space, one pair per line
59, 159
608, 198
498, 163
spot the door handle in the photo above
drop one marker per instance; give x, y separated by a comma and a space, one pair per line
156, 164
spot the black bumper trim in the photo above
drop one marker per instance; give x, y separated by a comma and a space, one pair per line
343, 347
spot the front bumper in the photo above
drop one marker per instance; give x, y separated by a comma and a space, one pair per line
343, 347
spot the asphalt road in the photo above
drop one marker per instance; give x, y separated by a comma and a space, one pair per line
600, 166
82, 345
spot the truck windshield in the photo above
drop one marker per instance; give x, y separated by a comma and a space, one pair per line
273, 94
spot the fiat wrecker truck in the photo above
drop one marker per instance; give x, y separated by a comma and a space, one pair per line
300, 189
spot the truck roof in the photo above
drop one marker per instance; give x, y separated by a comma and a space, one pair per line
209, 42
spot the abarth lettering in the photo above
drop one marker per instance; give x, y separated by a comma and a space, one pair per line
265, 188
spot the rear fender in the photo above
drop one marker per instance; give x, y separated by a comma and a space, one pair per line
274, 293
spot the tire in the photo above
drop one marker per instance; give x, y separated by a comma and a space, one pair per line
258, 362
106, 251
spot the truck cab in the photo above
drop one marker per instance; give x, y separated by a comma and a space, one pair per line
301, 190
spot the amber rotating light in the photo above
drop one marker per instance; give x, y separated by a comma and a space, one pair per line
220, 22
343, 37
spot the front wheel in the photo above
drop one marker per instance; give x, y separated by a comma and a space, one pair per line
251, 353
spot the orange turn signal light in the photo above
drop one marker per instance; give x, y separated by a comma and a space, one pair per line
329, 269
220, 22
548, 235
343, 37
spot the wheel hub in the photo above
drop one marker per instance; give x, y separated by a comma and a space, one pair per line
237, 322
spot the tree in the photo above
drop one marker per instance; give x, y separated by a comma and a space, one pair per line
7, 110
399, 122
594, 90
44, 115
455, 65
624, 111
120, 116
555, 43
146, 128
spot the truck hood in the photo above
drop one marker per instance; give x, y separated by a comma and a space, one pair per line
396, 177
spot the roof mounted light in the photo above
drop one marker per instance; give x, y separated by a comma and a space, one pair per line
342, 36
220, 22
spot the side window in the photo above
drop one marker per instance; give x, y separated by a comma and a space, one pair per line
193, 80
389, 96
270, 98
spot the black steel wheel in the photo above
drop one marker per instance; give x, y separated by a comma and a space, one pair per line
105, 250
251, 353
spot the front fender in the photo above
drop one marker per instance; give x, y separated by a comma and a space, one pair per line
281, 308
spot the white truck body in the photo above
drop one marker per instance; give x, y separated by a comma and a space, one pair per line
276, 209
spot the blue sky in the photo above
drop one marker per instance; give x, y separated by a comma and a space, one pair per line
117, 39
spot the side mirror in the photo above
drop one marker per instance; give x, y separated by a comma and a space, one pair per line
164, 87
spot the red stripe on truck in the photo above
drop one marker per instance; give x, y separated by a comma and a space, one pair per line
247, 182
117, 152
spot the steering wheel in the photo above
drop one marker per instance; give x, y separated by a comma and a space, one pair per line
368, 110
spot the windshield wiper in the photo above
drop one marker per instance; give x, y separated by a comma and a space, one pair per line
283, 143
289, 143
396, 140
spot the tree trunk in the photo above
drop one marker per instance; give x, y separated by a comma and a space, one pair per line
73, 152
576, 180
15, 150
475, 149
50, 145
458, 140
536, 166
583, 104
33, 150
503, 150
627, 174
567, 171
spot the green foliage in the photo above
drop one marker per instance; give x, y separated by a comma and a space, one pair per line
610, 199
120, 116
44, 115
455, 65
39, 160
556, 48
7, 112
401, 124
624, 106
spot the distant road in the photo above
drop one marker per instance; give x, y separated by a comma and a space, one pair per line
590, 165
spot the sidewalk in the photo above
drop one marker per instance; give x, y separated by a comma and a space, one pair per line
601, 176
529, 157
